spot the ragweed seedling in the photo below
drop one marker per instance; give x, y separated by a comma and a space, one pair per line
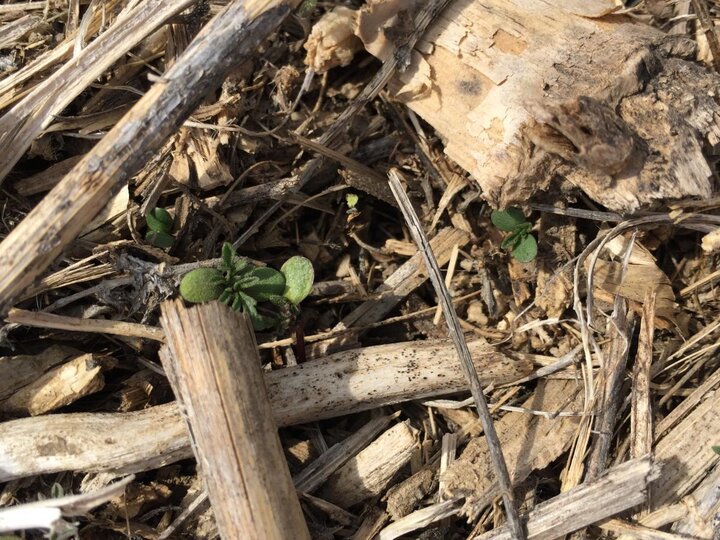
519, 242
160, 223
243, 287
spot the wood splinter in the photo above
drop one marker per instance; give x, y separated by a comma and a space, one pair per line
212, 362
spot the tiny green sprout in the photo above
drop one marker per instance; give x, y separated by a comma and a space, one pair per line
306, 8
160, 223
519, 242
242, 286
351, 199
299, 276
56, 491
716, 449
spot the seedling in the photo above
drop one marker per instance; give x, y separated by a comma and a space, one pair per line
244, 287
716, 449
519, 242
160, 223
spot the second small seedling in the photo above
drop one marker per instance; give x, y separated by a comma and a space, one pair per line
519, 242
160, 223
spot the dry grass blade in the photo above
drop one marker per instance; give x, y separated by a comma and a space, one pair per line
461, 347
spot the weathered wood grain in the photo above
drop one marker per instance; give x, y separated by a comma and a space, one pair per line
212, 362
338, 384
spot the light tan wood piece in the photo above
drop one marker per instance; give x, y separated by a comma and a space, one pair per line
522, 91
641, 418
529, 442
58, 387
368, 473
685, 452
342, 383
213, 365
17, 371
620, 488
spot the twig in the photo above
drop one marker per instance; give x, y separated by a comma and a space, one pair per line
102, 326
371, 377
461, 347
212, 362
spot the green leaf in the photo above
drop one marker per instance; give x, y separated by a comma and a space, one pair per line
232, 265
159, 239
507, 220
351, 199
262, 283
299, 278
228, 255
249, 306
512, 240
716, 449
56, 491
159, 220
202, 285
526, 250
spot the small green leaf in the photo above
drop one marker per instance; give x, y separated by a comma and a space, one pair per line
351, 199
249, 306
512, 240
716, 449
159, 239
526, 250
226, 297
306, 8
228, 254
262, 283
202, 285
299, 277
56, 491
159, 220
507, 220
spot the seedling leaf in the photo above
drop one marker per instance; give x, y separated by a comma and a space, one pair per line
202, 285
159, 239
249, 306
262, 283
299, 277
526, 250
716, 449
507, 220
512, 240
159, 220
352, 200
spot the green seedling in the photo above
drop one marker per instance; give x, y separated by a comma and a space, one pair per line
520, 242
243, 287
716, 449
306, 8
160, 223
